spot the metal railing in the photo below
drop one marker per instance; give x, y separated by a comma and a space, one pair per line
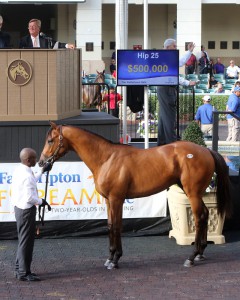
216, 126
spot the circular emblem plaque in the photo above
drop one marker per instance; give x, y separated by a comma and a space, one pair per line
19, 72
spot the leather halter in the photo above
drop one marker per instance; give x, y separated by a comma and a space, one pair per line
60, 145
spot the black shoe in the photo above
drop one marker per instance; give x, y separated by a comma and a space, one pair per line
16, 274
29, 277
33, 274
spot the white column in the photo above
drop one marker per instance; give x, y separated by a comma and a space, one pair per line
89, 30
121, 32
146, 110
189, 28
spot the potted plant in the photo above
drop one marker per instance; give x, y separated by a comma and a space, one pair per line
194, 134
183, 226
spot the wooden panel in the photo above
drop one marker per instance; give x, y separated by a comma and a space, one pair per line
14, 91
28, 90
67, 100
40, 76
3, 84
53, 74
61, 81
52, 92
78, 81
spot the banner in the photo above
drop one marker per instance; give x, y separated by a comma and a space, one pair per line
72, 195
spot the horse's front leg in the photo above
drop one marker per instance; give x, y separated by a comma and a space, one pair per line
115, 227
110, 236
201, 222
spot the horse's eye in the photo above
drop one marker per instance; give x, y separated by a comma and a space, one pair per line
50, 141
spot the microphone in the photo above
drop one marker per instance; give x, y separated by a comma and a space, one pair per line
42, 34
45, 36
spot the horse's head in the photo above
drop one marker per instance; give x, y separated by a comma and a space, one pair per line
18, 70
100, 76
22, 72
55, 145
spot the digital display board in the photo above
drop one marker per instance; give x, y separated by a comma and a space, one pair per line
147, 67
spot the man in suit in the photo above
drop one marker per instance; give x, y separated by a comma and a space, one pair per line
167, 99
4, 36
35, 40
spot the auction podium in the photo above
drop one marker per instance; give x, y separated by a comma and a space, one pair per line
39, 84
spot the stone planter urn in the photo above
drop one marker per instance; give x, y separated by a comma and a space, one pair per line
183, 226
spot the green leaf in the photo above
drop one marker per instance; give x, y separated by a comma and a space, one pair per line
194, 134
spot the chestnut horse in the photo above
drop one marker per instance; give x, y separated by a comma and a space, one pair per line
91, 93
121, 172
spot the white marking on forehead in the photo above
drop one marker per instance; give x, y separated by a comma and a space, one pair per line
189, 155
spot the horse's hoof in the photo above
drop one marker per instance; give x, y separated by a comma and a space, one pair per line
112, 266
200, 257
188, 263
107, 263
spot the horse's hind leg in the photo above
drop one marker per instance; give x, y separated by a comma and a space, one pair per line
200, 213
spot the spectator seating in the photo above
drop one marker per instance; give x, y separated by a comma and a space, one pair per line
91, 76
192, 77
218, 77
223, 81
84, 80
203, 76
108, 81
204, 80
108, 76
199, 91
228, 86
211, 91
202, 86
231, 81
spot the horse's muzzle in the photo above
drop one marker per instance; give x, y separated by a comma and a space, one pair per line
43, 160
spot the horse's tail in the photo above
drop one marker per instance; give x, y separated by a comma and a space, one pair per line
224, 200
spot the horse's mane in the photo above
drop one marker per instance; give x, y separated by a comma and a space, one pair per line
90, 132
97, 135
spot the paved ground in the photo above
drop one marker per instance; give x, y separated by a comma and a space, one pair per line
151, 268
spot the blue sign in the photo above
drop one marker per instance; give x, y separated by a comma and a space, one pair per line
147, 67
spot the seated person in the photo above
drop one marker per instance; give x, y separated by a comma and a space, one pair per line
218, 67
237, 83
219, 89
232, 71
212, 82
4, 36
35, 40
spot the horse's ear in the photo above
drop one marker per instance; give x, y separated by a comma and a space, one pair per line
53, 125
97, 72
103, 72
